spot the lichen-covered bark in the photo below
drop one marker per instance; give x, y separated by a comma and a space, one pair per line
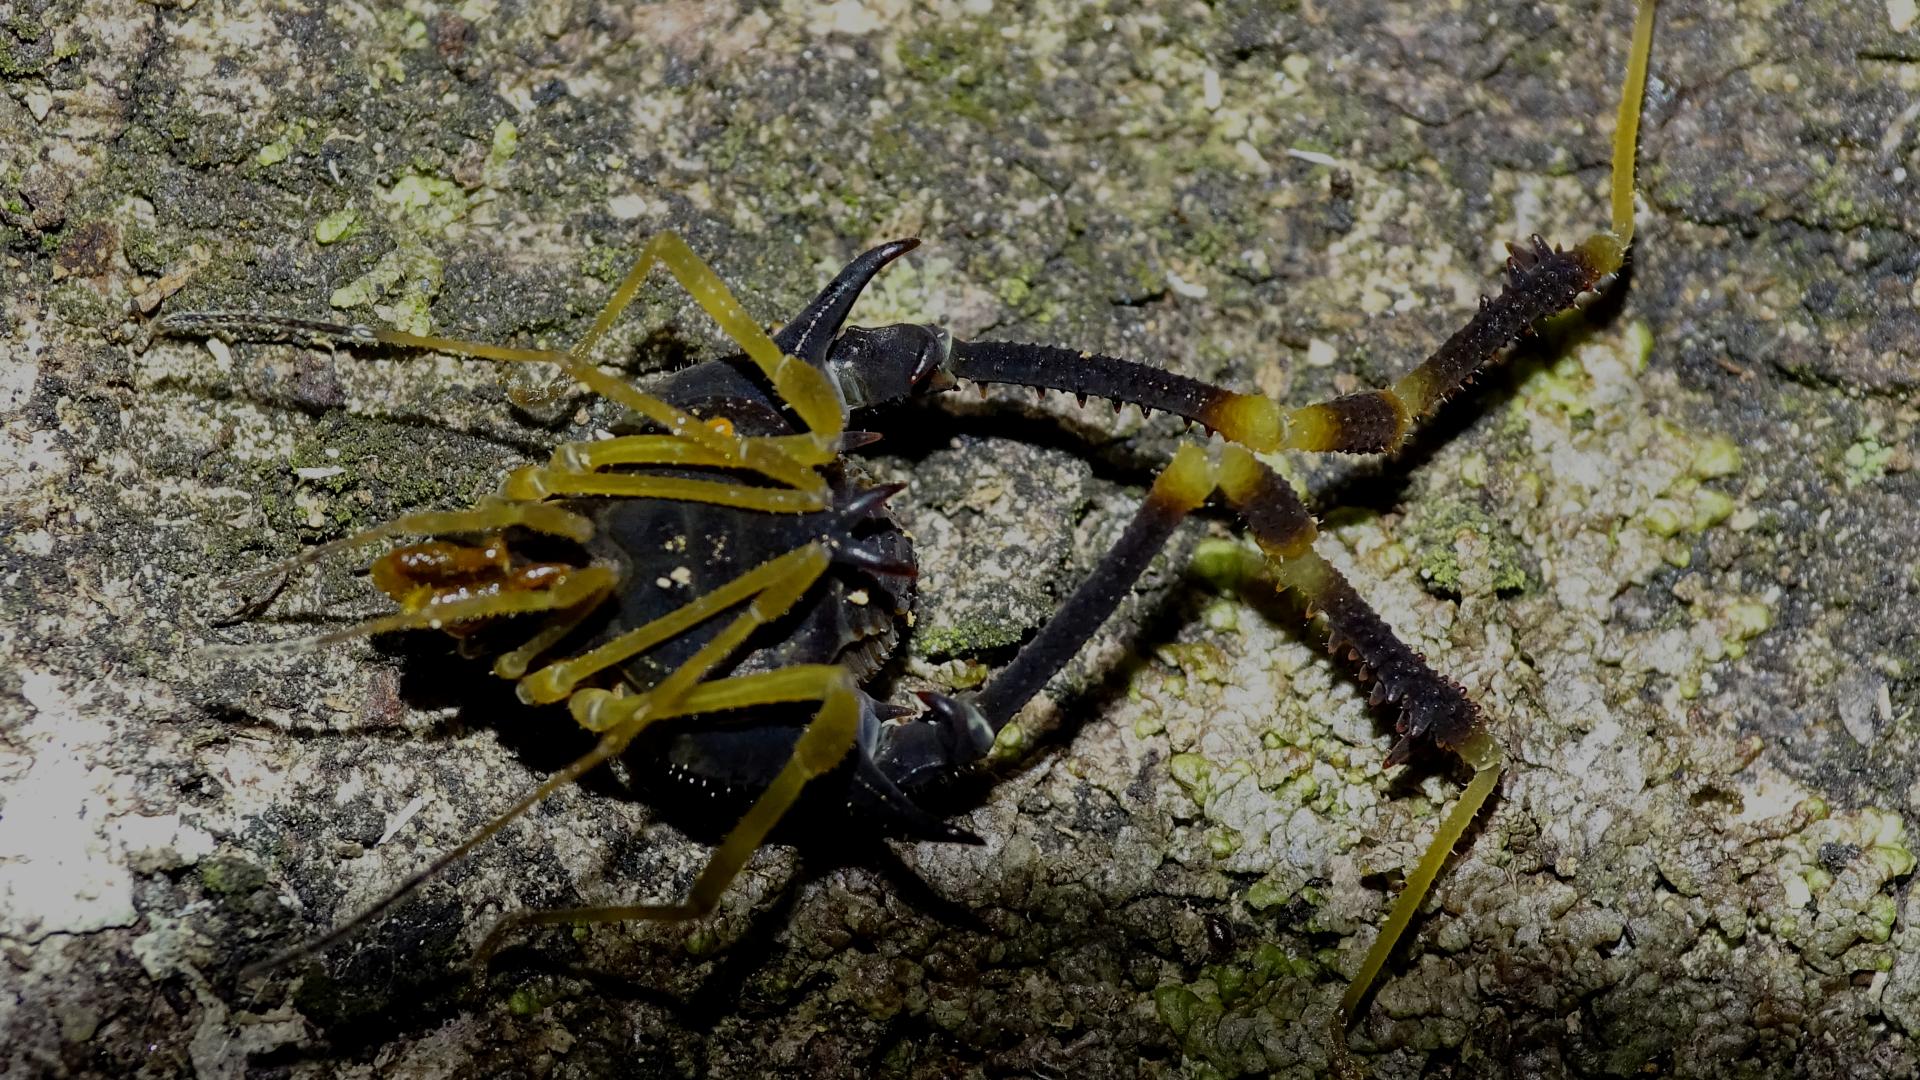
1671, 549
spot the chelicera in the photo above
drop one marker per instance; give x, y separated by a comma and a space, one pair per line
709, 595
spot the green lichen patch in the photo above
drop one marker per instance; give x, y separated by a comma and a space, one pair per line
1464, 551
969, 638
1226, 1011
1836, 879
400, 288
337, 226
427, 203
1194, 774
282, 147
1226, 566
500, 150
535, 996
421, 210
231, 876
1865, 461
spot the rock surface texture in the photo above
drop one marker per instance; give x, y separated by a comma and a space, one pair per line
1672, 547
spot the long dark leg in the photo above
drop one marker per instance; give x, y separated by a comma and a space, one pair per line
1541, 282
1432, 706
1180, 488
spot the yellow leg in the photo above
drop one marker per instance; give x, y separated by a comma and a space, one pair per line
491, 515
513, 665
1626, 127
800, 682
623, 717
533, 482
768, 460
772, 586
1485, 756
580, 457
808, 390
655, 450
821, 746
571, 589
788, 460
669, 697
798, 383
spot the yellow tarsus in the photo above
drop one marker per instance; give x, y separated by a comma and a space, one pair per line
759, 455
803, 387
795, 570
1483, 753
1626, 131
1606, 252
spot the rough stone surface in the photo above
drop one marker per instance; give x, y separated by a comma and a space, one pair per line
1682, 577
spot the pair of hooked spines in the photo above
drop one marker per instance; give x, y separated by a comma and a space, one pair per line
869, 505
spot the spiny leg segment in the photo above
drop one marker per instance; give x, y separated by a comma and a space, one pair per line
1433, 706
1542, 282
